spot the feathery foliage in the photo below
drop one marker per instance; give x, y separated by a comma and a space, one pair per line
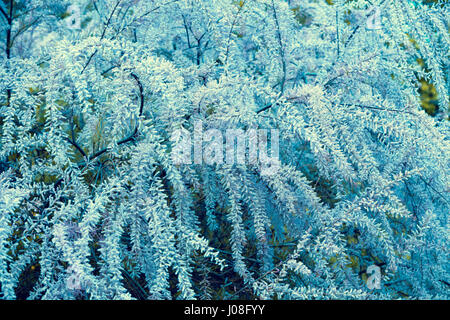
93, 207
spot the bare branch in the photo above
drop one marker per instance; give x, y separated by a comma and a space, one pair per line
231, 30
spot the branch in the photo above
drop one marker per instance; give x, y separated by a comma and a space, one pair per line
102, 36
434, 189
109, 19
264, 108
359, 26
143, 15
133, 135
384, 109
98, 12
72, 139
8, 44
11, 6
22, 30
187, 31
73, 143
337, 32
154, 9
3, 12
341, 73
273, 104
445, 282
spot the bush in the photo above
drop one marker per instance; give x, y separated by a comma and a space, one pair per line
92, 205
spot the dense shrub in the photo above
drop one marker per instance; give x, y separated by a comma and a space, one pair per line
93, 207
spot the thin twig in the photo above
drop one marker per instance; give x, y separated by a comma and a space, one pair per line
231, 30
98, 12
73, 143
434, 189
72, 139
283, 62
129, 138
23, 29
187, 31
133, 135
384, 109
8, 45
359, 26
154, 9
337, 33
102, 35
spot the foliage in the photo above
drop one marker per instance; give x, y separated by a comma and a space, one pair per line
92, 207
